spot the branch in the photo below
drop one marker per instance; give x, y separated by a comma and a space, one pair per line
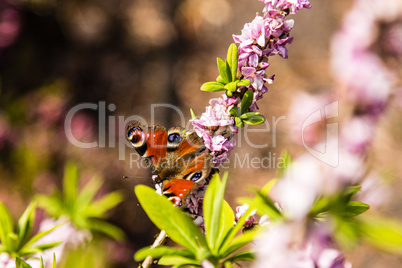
158, 241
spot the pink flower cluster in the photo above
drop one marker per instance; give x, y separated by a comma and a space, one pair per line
215, 127
292, 5
10, 24
240, 211
365, 81
66, 233
265, 36
288, 245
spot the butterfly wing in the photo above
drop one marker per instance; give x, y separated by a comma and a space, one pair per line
149, 142
180, 159
192, 164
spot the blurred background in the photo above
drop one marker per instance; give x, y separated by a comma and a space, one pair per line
56, 54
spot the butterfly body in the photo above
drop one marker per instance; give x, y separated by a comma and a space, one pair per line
180, 159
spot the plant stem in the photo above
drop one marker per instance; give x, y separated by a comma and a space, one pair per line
158, 241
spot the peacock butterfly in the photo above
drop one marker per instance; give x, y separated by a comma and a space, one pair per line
181, 160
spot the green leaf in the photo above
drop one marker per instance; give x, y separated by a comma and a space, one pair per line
88, 193
347, 232
54, 261
255, 120
246, 101
232, 59
351, 191
285, 164
231, 86
212, 86
233, 111
239, 122
321, 205
192, 114
223, 67
270, 205
238, 242
226, 223
6, 226
179, 226
249, 115
53, 205
178, 261
25, 224
229, 238
382, 233
264, 206
38, 236
70, 184
219, 79
106, 228
43, 247
355, 208
99, 207
243, 83
229, 72
212, 205
228, 264
161, 251
41, 262
267, 187
247, 255
20, 263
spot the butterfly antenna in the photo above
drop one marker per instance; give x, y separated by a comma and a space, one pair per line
133, 177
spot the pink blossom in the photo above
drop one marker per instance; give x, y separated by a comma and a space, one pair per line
363, 128
67, 234
219, 146
9, 26
293, 5
297, 191
302, 107
215, 127
5, 131
375, 191
253, 32
195, 199
216, 115
241, 210
290, 245
265, 36
6, 261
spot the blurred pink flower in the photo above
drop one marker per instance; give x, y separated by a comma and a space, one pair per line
299, 187
6, 261
4, 131
9, 26
304, 105
363, 128
375, 191
66, 233
290, 245
82, 127
51, 108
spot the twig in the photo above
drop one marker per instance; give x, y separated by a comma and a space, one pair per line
158, 241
